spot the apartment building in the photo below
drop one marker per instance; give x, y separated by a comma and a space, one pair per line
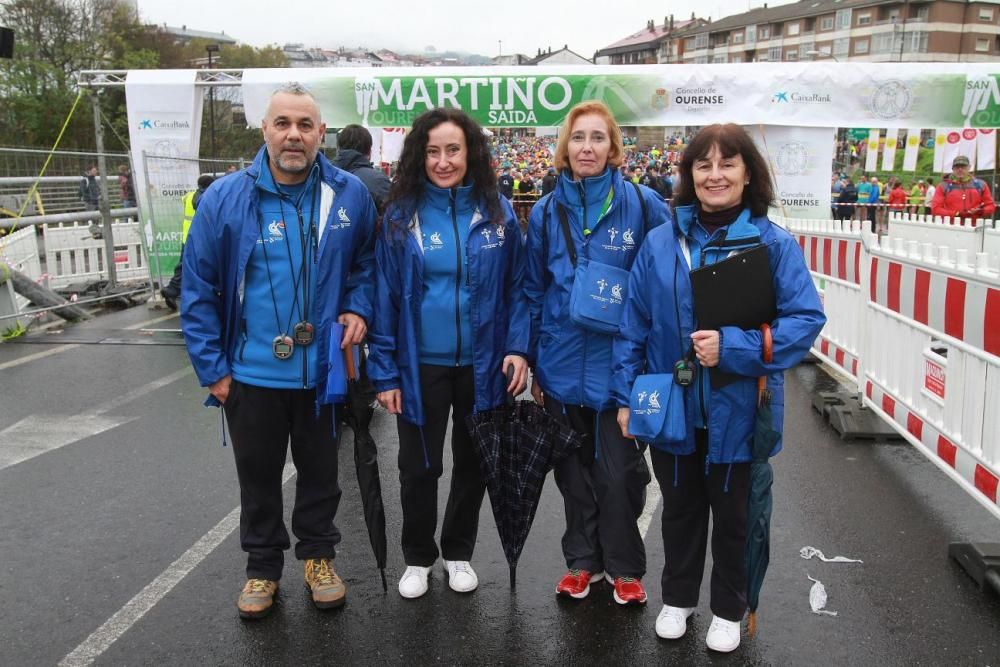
653, 44
849, 30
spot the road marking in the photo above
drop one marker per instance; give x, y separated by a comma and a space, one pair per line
111, 630
72, 346
36, 434
652, 500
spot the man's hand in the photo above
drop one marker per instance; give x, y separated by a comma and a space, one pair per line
706, 347
623, 416
520, 377
354, 330
391, 400
221, 389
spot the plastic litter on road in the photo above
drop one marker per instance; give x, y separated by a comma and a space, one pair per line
817, 598
809, 552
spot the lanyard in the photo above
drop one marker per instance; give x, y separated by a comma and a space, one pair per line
604, 210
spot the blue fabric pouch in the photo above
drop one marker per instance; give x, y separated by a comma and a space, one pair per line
656, 407
597, 301
337, 372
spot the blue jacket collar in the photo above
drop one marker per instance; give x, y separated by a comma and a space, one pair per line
739, 229
441, 198
595, 188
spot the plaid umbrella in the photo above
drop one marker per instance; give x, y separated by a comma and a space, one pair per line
518, 444
757, 552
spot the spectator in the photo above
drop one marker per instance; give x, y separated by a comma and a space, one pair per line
963, 195
846, 199
506, 183
354, 154
90, 189
549, 182
125, 186
929, 196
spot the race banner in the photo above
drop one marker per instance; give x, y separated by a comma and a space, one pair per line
871, 158
800, 159
164, 119
889, 153
952, 145
912, 145
967, 144
940, 142
810, 94
986, 149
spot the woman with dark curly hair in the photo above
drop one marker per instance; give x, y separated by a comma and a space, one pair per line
450, 320
720, 208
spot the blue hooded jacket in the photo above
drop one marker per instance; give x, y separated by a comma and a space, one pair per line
652, 340
224, 233
573, 365
498, 311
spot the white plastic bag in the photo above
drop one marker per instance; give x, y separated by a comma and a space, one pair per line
809, 552
817, 598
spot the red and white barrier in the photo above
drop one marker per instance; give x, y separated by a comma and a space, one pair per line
73, 255
914, 319
834, 253
932, 355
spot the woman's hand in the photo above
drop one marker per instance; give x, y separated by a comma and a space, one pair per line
706, 347
536, 391
391, 400
519, 380
623, 415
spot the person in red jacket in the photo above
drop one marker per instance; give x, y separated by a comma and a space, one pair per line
897, 196
964, 195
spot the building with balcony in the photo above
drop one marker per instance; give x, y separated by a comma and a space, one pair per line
850, 30
653, 44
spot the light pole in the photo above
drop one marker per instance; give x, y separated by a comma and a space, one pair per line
211, 48
822, 54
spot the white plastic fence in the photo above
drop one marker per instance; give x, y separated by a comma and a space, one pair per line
936, 231
917, 325
73, 255
19, 250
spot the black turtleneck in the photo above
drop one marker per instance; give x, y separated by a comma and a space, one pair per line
713, 220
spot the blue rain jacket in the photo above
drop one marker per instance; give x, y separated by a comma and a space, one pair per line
223, 234
652, 340
499, 314
572, 364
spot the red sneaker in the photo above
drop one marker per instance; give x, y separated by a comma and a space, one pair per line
576, 583
629, 590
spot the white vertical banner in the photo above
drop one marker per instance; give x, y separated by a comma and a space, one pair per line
951, 149
940, 142
967, 145
889, 153
912, 149
392, 143
800, 159
871, 159
986, 149
376, 133
164, 120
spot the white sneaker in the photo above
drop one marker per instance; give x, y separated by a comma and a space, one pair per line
413, 584
723, 636
461, 577
672, 622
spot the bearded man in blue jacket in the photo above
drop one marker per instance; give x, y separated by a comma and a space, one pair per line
277, 271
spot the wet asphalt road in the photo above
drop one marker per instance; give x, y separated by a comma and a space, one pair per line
84, 528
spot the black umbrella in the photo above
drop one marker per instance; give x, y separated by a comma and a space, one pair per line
757, 552
358, 415
518, 444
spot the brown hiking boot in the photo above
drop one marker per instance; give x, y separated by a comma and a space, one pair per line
257, 598
328, 591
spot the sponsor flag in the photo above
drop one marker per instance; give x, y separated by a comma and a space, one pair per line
889, 154
871, 160
967, 145
392, 143
952, 140
912, 149
986, 149
940, 141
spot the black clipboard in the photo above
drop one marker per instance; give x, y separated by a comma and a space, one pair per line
738, 292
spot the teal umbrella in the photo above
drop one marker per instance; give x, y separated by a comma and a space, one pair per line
757, 552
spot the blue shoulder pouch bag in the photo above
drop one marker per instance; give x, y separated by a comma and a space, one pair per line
656, 407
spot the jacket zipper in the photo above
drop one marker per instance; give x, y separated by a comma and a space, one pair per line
458, 280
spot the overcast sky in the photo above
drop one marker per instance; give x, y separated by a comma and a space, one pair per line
476, 26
